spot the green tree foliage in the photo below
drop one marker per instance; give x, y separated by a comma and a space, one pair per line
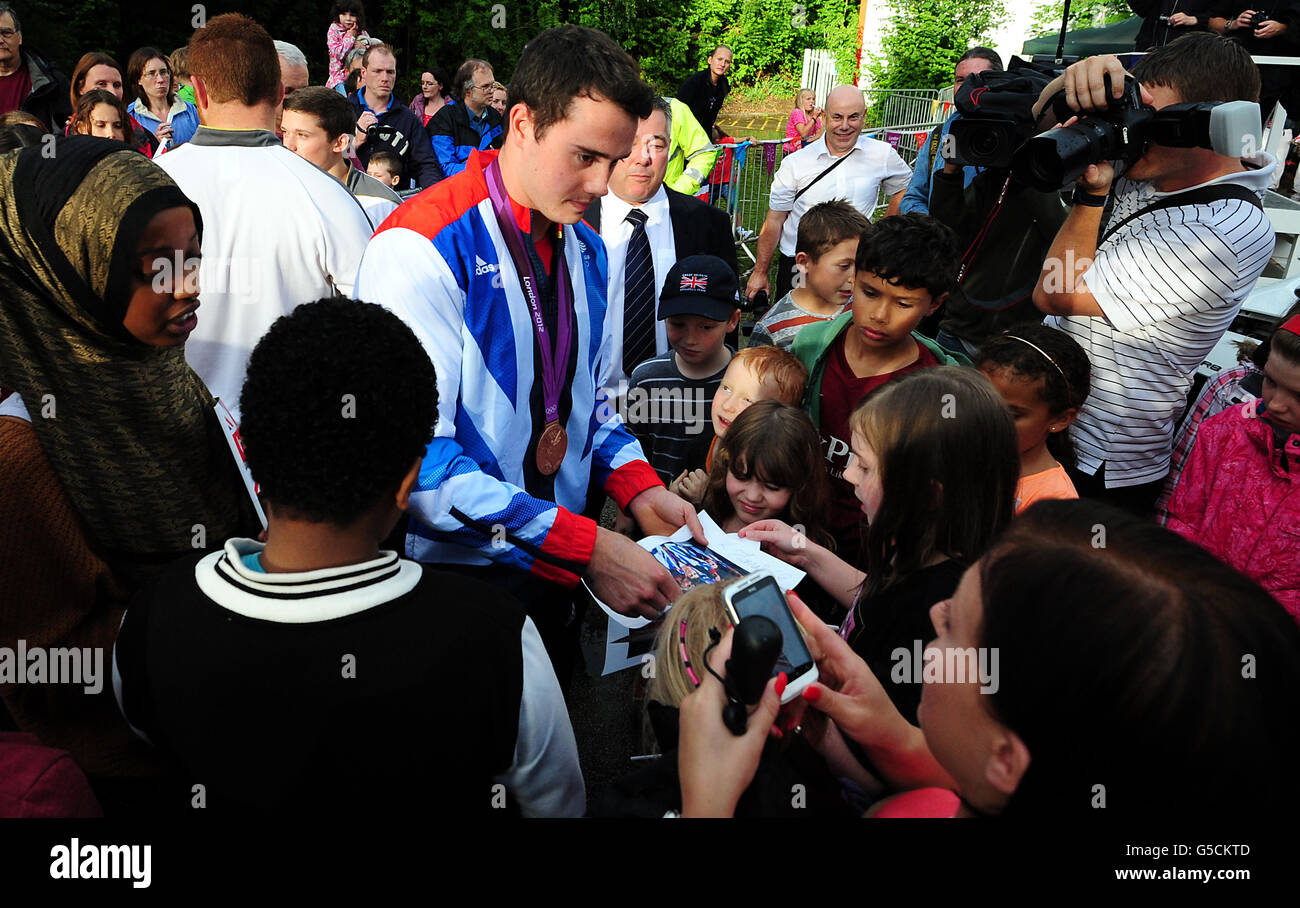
670, 38
927, 37
1083, 14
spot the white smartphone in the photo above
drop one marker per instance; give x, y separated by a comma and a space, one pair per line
759, 594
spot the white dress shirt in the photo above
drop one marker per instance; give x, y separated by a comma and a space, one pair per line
857, 181
617, 232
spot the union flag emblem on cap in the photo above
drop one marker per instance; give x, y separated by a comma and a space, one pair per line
695, 282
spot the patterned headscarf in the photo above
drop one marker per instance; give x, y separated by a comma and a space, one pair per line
128, 427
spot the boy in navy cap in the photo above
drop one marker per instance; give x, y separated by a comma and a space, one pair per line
670, 397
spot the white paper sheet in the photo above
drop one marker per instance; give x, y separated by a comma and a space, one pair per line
746, 554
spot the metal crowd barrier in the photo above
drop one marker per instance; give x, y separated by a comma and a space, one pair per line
747, 170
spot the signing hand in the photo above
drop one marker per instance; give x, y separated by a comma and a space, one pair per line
627, 578
661, 513
165, 133
715, 766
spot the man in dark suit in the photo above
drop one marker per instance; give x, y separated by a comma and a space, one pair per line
647, 227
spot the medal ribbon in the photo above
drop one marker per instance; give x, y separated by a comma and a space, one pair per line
555, 359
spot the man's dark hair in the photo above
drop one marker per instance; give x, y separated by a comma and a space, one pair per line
569, 62
911, 250
326, 105
827, 224
235, 59
339, 401
464, 79
1202, 66
982, 53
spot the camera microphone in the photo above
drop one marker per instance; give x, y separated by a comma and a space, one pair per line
755, 647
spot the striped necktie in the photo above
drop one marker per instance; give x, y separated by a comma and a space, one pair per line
638, 296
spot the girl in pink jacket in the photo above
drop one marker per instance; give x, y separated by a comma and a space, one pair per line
349, 24
1239, 495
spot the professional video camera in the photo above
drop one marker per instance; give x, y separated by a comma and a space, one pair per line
996, 113
1126, 128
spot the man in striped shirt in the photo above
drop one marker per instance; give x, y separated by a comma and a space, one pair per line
1154, 298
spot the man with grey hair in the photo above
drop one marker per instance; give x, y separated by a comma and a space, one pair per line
457, 129
28, 81
647, 227
293, 75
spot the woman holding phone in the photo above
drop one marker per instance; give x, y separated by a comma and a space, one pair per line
173, 121
1120, 680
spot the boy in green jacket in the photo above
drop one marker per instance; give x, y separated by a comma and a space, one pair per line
905, 267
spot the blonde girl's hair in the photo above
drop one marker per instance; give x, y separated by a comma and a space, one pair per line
700, 608
779, 444
946, 449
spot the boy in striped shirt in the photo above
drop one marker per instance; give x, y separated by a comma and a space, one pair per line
823, 287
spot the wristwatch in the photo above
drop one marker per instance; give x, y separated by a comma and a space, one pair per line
1089, 199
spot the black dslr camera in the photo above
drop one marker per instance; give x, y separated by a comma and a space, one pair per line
1059, 156
1126, 128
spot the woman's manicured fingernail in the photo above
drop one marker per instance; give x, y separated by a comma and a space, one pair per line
812, 694
781, 682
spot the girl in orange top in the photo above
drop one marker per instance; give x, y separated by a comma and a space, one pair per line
1043, 375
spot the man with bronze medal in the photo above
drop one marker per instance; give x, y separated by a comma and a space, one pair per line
506, 288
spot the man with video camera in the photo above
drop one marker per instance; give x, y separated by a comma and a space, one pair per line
1186, 239
1004, 224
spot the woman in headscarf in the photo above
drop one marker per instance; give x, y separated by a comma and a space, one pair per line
124, 466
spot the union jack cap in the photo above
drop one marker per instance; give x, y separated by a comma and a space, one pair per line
701, 285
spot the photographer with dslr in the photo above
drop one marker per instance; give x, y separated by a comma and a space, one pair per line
1167, 20
1185, 242
386, 124
1273, 32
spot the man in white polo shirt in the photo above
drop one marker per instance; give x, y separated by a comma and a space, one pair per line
842, 164
1187, 240
277, 231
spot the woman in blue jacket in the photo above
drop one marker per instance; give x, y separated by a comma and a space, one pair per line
171, 119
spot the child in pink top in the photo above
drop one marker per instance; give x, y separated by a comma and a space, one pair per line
1239, 494
1043, 375
805, 123
349, 25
